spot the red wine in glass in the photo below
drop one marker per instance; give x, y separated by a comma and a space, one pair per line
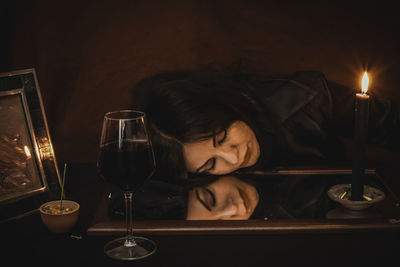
126, 166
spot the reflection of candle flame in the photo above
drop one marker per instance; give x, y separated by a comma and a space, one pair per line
364, 83
27, 152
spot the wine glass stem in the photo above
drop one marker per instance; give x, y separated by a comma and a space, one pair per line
129, 242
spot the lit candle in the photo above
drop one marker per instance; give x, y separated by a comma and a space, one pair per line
360, 137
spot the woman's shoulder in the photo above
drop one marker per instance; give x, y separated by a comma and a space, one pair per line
285, 94
307, 80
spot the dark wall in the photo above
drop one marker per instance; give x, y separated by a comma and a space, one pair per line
89, 54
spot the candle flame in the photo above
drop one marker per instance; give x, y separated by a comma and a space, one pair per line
364, 83
27, 151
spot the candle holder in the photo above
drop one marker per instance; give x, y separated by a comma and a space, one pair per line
341, 193
357, 197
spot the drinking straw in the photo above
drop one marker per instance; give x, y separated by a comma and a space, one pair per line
62, 186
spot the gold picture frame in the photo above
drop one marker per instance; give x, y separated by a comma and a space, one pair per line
29, 174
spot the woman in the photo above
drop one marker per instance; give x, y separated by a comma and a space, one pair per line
226, 198
209, 122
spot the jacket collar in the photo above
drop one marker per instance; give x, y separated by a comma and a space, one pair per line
288, 97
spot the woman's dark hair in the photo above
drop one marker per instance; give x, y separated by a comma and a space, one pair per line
187, 106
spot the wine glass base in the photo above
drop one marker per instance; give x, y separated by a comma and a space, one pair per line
118, 249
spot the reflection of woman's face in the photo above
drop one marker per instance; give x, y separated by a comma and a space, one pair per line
228, 198
229, 150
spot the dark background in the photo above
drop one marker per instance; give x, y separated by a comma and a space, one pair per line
89, 54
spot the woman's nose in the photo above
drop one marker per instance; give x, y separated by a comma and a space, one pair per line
233, 209
228, 211
229, 153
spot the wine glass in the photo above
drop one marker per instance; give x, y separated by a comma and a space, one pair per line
126, 160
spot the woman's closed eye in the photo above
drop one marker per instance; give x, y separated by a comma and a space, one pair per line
206, 197
219, 138
206, 167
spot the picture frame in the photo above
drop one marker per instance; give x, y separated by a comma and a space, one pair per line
29, 174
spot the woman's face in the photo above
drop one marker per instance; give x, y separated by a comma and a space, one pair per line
228, 198
229, 150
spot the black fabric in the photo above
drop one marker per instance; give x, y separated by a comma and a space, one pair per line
313, 115
292, 196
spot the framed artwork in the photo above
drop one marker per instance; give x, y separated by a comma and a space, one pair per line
28, 169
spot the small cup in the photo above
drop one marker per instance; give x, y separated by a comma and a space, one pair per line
59, 221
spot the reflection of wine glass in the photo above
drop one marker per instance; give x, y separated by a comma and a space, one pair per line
126, 160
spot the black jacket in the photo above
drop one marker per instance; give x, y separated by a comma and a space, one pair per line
313, 114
